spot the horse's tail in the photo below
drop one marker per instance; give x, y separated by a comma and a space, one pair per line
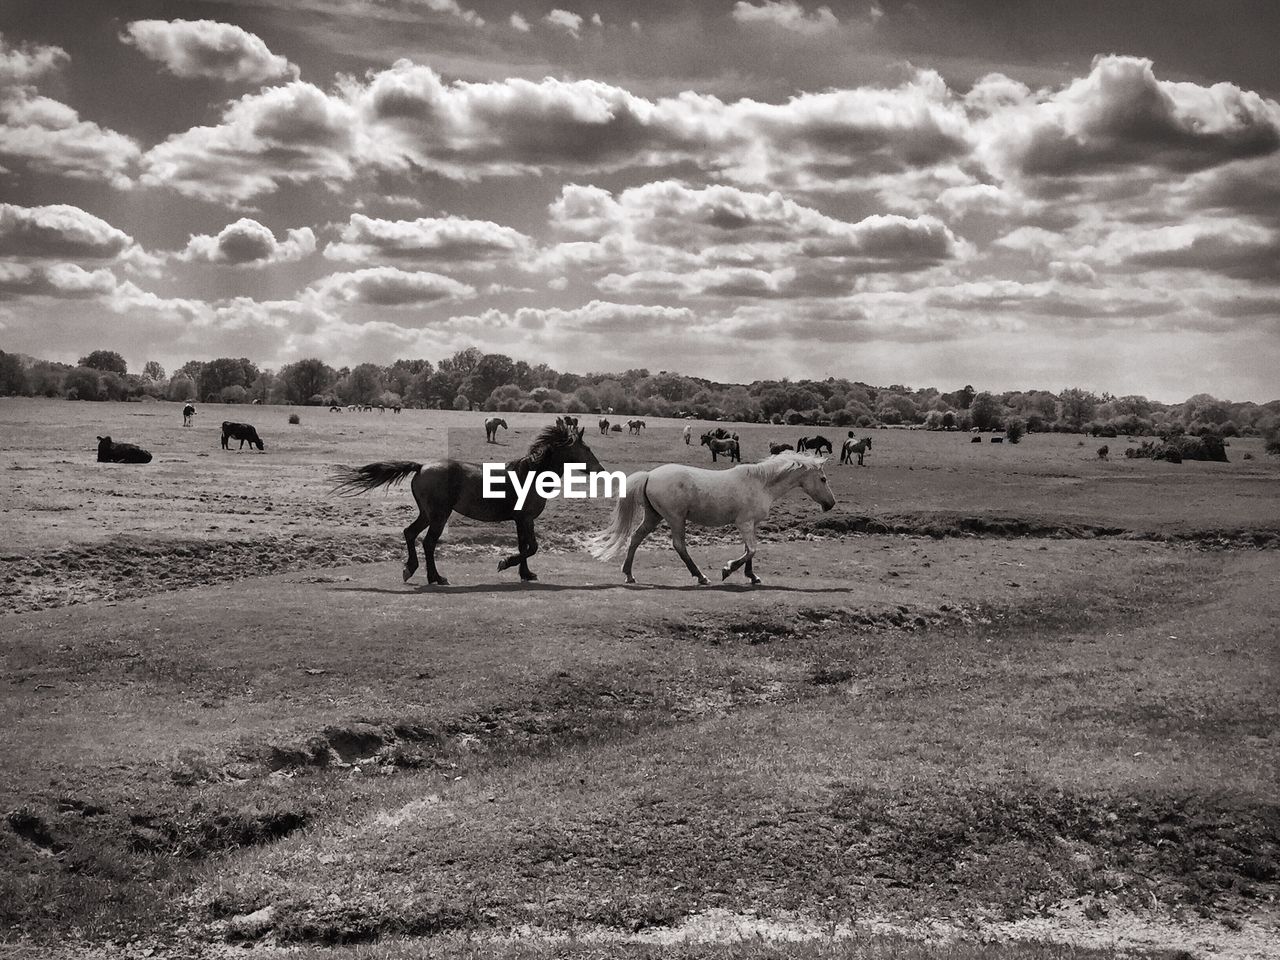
627, 516
352, 480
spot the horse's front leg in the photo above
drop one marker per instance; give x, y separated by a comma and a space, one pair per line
748, 531
677, 541
528, 546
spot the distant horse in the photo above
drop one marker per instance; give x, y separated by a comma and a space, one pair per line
334, 408
777, 448
604, 426
635, 426
678, 494
395, 408
257, 403
242, 432
443, 486
729, 448
567, 421
688, 434
719, 433
491, 426
110, 452
852, 447
1104, 452
815, 444
188, 414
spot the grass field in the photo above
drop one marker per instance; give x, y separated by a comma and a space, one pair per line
1002, 701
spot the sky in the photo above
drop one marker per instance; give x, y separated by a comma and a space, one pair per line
1010, 194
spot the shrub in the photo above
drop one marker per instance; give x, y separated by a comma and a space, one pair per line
1014, 429
294, 419
82, 383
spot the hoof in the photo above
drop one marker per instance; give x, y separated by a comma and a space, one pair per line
703, 581
755, 581
440, 581
408, 572
629, 579
724, 573
502, 565
528, 578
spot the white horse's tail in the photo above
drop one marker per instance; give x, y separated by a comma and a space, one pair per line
627, 516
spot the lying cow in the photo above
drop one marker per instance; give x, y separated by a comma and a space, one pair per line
109, 452
241, 432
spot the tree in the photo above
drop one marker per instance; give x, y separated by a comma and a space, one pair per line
13, 376
233, 394
83, 383
1014, 428
493, 370
306, 378
105, 360
181, 388
985, 411
1076, 407
460, 402
225, 372
152, 371
364, 383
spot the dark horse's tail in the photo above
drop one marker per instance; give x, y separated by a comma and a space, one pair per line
353, 480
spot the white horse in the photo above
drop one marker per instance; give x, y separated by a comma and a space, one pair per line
688, 434
491, 425
679, 494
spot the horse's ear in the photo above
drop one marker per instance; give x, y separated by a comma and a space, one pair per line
581, 431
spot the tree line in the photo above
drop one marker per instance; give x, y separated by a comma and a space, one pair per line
472, 379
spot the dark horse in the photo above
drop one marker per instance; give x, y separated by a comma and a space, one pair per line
814, 443
242, 432
443, 486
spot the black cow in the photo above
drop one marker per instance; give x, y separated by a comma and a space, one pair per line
241, 432
109, 452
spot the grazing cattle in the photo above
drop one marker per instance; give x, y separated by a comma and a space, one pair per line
814, 443
109, 452
491, 426
777, 448
188, 413
604, 425
997, 439
635, 426
257, 403
728, 447
334, 408
241, 432
975, 439
851, 447
1104, 452
688, 434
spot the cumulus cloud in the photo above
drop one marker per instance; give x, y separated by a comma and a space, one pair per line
786, 14
59, 231
49, 136
1239, 250
453, 9
248, 243
207, 49
27, 63
597, 316
445, 239
1121, 116
62, 280
725, 241
292, 133
389, 287
519, 23
570, 23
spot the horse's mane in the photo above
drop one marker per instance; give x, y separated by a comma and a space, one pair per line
548, 439
771, 468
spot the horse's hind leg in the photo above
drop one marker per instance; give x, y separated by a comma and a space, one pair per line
429, 548
677, 541
411, 533
650, 523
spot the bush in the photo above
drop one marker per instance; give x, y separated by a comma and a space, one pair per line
82, 383
1014, 429
294, 419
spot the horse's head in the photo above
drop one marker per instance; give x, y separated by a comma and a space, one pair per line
559, 444
812, 479
706, 439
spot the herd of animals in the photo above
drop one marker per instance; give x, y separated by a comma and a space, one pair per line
675, 493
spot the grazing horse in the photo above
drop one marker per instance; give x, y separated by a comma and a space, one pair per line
241, 432
635, 426
109, 452
730, 447
334, 408
567, 421
688, 434
604, 426
491, 426
852, 446
188, 414
395, 408
679, 494
777, 448
443, 486
815, 444
1104, 452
